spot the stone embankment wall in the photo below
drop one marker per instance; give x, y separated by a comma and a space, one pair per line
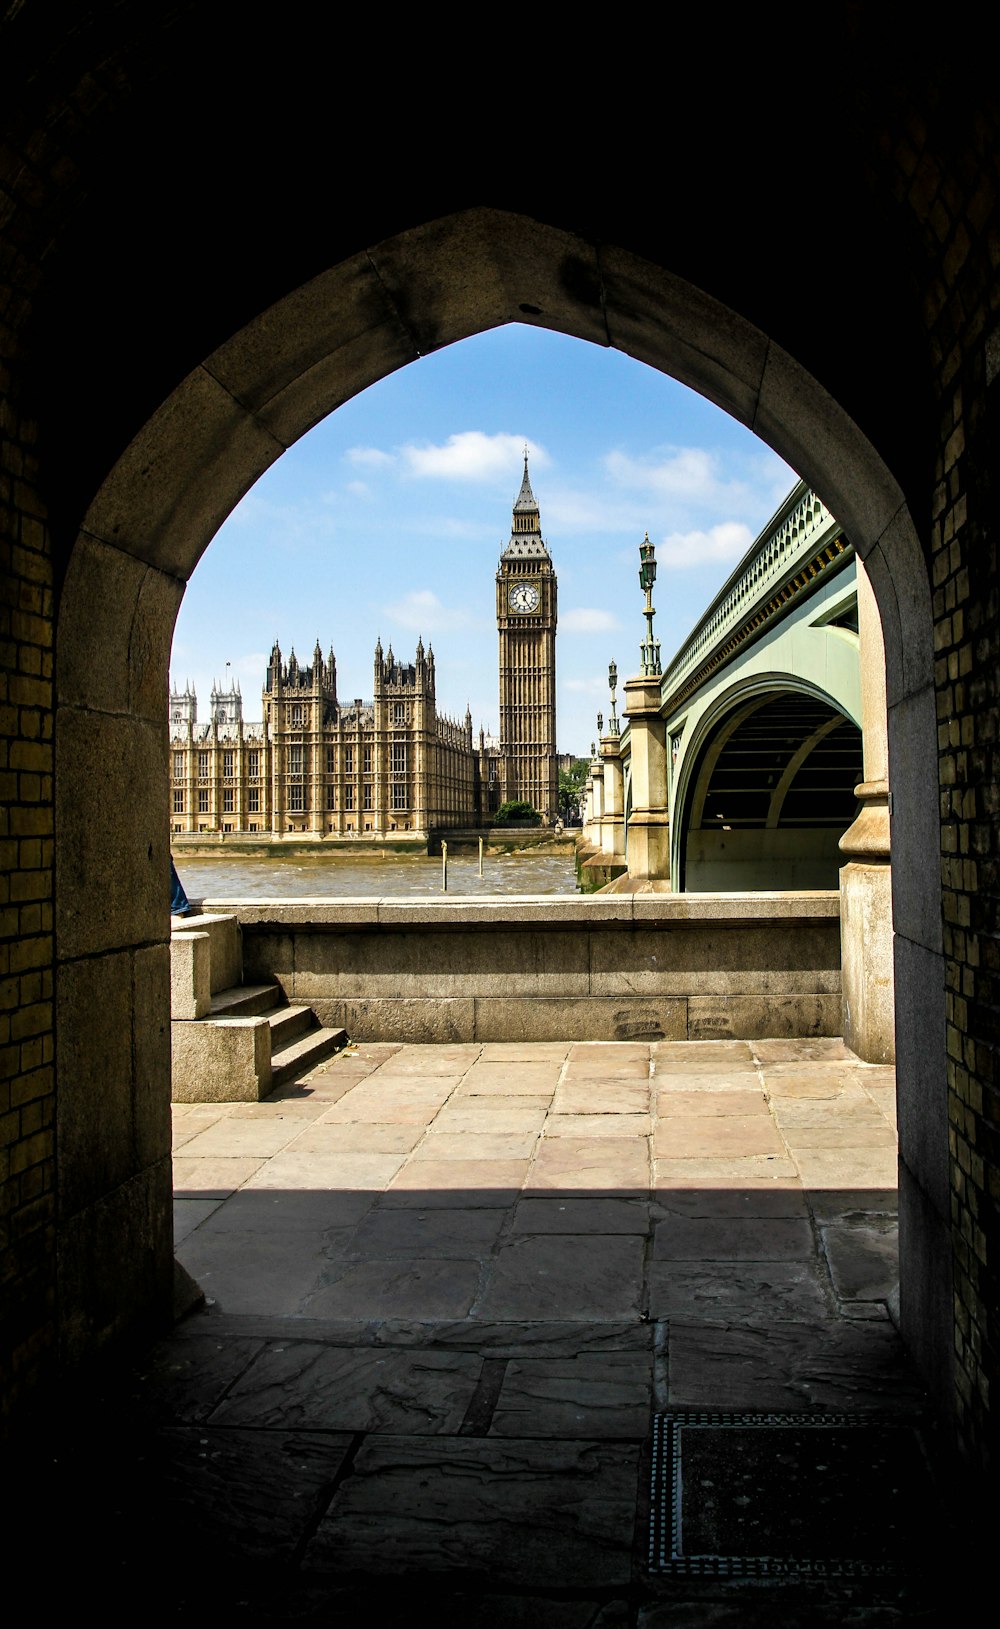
595, 968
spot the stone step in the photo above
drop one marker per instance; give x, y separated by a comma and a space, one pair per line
246, 1000
304, 1053
287, 1023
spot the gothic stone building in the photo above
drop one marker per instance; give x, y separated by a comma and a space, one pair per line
316, 767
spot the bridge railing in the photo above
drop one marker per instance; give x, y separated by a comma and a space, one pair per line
786, 545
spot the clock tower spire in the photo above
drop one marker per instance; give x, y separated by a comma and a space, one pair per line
526, 624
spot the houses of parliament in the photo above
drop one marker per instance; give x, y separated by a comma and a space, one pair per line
316, 767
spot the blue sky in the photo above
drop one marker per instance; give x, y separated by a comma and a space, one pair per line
389, 517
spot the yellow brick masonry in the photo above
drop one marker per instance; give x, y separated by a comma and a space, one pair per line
962, 311
27, 1084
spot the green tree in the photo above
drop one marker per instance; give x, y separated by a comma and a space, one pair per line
571, 784
517, 812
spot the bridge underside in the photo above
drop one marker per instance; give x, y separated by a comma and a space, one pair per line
771, 796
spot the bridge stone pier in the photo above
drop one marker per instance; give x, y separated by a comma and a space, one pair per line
213, 237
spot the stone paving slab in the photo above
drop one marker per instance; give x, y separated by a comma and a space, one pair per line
699, 1105
840, 1364
340, 1171
253, 1495
606, 1395
737, 1171
231, 1138
598, 1125
515, 1338
474, 1145
515, 1512
747, 1293
491, 1114
736, 1238
761, 1196
454, 1308
304, 1385
354, 1137
282, 1276
189, 1214
184, 1377
312, 1211
601, 1097
413, 1287
554, 1275
599, 1164
489, 1183
454, 1232
213, 1178
714, 1135
556, 1212
863, 1258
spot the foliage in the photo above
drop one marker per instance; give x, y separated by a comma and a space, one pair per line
571, 784
517, 812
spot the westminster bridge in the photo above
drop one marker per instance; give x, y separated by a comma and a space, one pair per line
757, 760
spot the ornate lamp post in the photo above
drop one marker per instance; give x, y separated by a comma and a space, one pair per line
613, 686
650, 647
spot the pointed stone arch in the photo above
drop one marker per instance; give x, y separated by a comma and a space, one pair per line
142, 535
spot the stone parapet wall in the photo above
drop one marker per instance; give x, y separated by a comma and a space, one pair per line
555, 968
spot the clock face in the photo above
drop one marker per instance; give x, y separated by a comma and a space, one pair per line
523, 597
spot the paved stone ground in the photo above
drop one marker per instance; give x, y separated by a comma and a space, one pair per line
447, 1287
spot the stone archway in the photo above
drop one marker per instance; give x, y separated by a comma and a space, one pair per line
144, 532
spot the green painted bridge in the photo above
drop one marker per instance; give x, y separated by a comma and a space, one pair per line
758, 739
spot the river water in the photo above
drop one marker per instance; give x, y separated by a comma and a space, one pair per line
327, 877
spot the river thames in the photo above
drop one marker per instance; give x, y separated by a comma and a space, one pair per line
301, 877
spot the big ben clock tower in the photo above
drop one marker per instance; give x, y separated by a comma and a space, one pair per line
526, 622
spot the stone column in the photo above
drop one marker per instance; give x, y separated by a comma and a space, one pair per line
865, 878
613, 825
649, 822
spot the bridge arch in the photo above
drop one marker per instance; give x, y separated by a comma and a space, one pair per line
156, 511
747, 810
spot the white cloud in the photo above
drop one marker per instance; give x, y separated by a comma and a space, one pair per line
471, 455
585, 620
725, 542
361, 489
686, 473
369, 457
422, 611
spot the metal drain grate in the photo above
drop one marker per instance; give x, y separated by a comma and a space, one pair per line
803, 1495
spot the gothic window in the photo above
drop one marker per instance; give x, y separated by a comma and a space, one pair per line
399, 712
227, 764
296, 717
331, 760
253, 763
367, 760
348, 797
368, 796
348, 760
178, 766
203, 766
178, 803
399, 795
253, 800
399, 757
203, 800
227, 800
295, 760
331, 797
295, 798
